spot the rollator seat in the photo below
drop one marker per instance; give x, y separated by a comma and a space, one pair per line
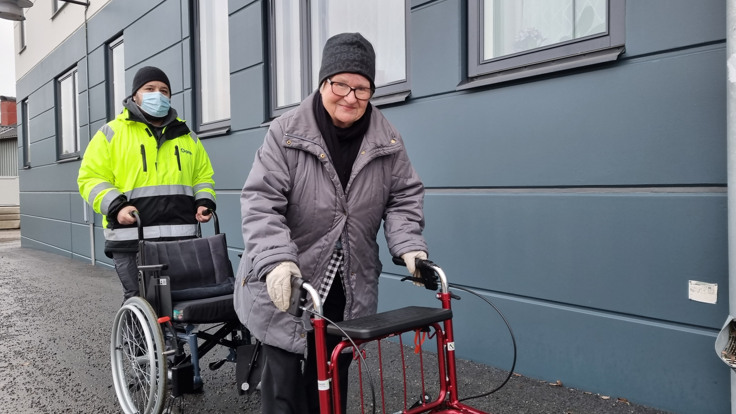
394, 321
207, 310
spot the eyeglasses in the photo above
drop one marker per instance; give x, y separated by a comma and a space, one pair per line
342, 89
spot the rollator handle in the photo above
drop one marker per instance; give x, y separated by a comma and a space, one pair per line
428, 276
298, 297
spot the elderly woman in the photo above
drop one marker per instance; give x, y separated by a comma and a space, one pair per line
327, 174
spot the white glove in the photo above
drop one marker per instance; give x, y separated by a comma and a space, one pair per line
410, 261
278, 283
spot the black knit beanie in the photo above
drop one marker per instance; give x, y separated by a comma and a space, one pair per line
147, 74
348, 52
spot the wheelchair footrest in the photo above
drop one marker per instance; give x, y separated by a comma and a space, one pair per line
182, 379
394, 321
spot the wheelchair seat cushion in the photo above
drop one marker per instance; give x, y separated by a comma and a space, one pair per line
206, 310
208, 291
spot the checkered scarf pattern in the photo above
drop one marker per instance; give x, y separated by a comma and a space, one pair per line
335, 265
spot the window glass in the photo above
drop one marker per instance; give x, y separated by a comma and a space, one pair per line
214, 61
379, 21
512, 39
68, 115
288, 59
513, 26
300, 30
116, 80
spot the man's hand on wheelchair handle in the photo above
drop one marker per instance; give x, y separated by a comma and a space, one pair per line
125, 215
278, 283
203, 214
410, 261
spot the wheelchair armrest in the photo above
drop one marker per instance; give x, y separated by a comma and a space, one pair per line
153, 268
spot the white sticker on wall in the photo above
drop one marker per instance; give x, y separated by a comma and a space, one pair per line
731, 68
702, 292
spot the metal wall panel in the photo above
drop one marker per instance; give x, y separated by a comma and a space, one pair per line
654, 363
233, 155
149, 37
245, 24
49, 205
247, 99
625, 253
608, 126
52, 233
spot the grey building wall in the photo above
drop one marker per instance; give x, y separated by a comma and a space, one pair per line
581, 202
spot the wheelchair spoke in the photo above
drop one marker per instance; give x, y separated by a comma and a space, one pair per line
139, 366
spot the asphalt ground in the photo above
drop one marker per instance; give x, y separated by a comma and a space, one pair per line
55, 319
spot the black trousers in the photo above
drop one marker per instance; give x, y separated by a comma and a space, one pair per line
126, 266
285, 389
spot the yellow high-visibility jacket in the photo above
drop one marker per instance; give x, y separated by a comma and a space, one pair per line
164, 172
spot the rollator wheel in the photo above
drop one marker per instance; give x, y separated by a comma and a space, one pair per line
137, 357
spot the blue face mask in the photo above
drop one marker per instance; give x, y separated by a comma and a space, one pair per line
155, 104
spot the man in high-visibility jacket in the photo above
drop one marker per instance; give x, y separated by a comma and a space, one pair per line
146, 160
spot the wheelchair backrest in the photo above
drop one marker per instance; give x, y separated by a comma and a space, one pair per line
191, 263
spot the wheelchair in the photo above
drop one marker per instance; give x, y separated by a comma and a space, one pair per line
157, 338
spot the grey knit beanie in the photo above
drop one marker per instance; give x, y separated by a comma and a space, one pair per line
348, 52
147, 74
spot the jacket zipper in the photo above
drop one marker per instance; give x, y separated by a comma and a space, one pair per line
143, 156
178, 160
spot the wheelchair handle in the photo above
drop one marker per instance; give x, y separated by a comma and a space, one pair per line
139, 223
214, 216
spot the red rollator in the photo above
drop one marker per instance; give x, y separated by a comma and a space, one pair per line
428, 321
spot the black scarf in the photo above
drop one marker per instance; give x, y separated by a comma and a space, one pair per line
343, 144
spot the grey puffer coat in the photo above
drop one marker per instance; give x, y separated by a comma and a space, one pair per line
294, 209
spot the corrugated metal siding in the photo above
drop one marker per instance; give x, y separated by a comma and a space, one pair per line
8, 158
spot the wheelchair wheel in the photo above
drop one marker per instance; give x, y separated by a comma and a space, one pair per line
137, 356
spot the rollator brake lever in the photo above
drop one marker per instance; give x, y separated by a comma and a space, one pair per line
298, 297
426, 269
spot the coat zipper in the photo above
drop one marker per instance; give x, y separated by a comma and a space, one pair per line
143, 157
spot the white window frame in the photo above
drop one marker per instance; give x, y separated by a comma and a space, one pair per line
67, 136
307, 62
26, 137
213, 104
601, 47
116, 91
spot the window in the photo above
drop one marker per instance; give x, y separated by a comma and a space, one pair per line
67, 115
296, 47
26, 134
511, 39
212, 54
115, 77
